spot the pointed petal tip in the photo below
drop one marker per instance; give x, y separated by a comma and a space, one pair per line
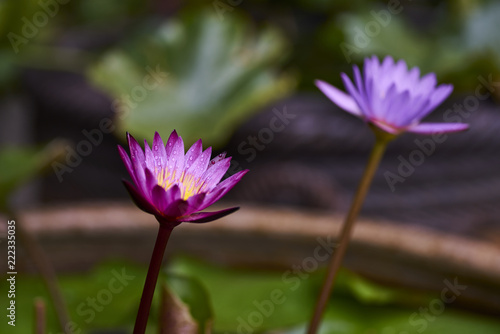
319, 82
173, 136
124, 155
131, 139
338, 97
243, 172
174, 133
431, 128
120, 148
205, 217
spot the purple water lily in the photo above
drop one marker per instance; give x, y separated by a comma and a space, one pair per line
174, 187
392, 97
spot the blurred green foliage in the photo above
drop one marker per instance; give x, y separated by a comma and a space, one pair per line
456, 40
211, 75
231, 296
219, 72
223, 65
358, 305
19, 165
450, 54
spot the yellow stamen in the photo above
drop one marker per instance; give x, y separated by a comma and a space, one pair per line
188, 184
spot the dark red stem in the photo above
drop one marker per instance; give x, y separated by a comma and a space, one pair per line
151, 278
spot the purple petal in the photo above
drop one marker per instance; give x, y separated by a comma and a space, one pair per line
137, 158
395, 111
359, 81
383, 74
151, 182
170, 142
386, 127
217, 159
159, 151
139, 199
387, 64
368, 84
426, 85
338, 97
175, 209
149, 157
413, 78
417, 105
194, 204
371, 72
159, 198
360, 100
193, 153
232, 180
437, 97
400, 72
430, 128
176, 158
205, 217
136, 152
213, 197
127, 162
368, 67
163, 199
200, 165
223, 188
382, 110
214, 174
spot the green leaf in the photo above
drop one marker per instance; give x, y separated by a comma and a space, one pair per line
106, 297
195, 296
256, 300
195, 73
174, 315
243, 303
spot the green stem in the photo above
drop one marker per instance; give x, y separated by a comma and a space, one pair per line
151, 278
345, 235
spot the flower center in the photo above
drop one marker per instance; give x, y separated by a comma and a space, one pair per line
188, 184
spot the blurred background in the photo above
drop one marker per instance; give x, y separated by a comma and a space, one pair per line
75, 76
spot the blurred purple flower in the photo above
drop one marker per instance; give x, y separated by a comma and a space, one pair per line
174, 187
392, 97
